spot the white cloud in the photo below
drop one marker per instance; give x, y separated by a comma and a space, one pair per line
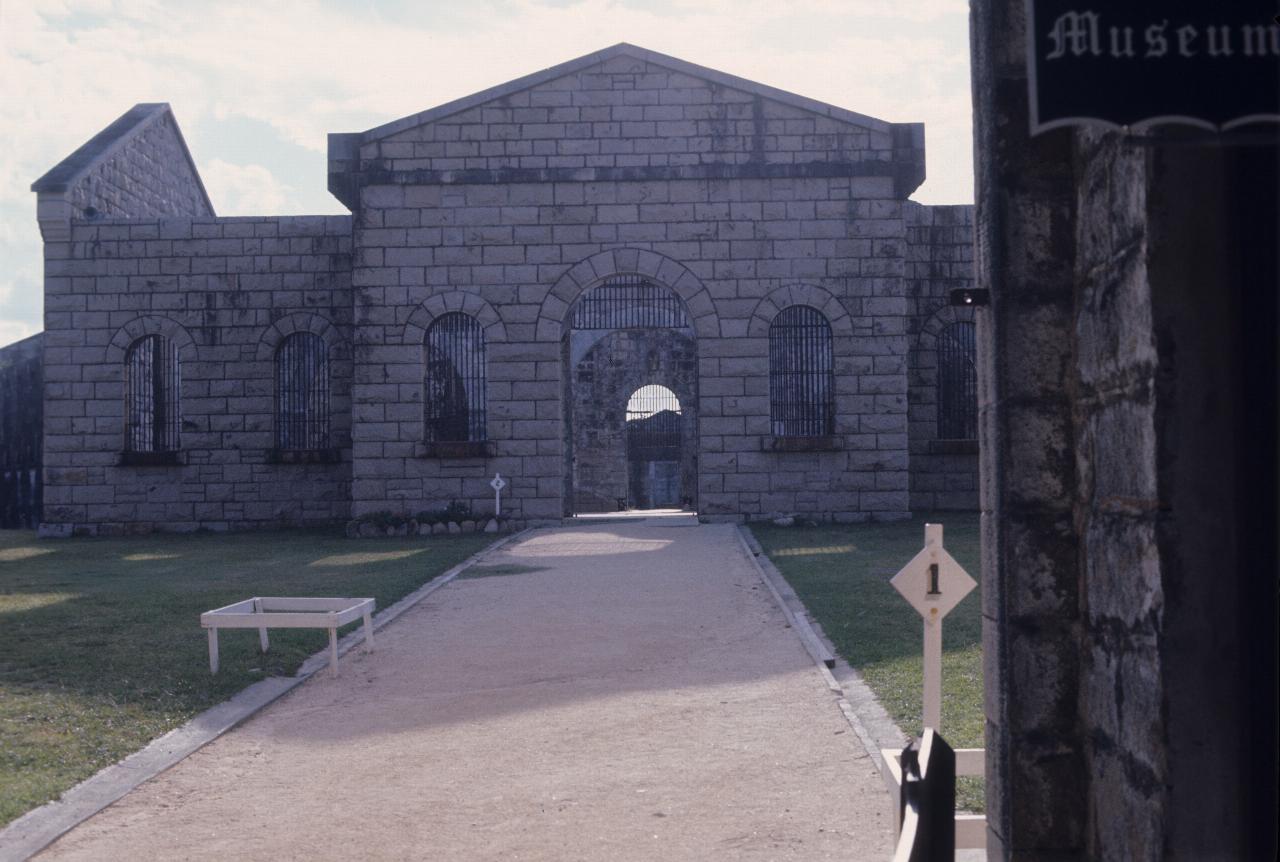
70, 67
242, 190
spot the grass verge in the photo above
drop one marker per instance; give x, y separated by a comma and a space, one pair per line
842, 572
101, 649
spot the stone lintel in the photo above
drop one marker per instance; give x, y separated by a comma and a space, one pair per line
343, 182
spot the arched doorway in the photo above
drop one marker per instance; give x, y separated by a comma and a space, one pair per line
625, 335
654, 450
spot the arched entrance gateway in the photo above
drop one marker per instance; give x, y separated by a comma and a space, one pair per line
631, 389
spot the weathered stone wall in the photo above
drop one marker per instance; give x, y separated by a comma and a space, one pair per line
627, 113
738, 202
1025, 225
148, 177
226, 291
506, 206
21, 412
528, 250
944, 475
1128, 378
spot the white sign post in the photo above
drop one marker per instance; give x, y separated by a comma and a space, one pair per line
933, 583
497, 485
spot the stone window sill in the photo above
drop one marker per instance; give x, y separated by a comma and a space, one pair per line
304, 456
455, 449
802, 444
953, 447
152, 459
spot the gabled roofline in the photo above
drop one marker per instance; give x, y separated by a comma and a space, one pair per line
618, 50
102, 146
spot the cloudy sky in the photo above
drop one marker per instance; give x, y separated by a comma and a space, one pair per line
257, 85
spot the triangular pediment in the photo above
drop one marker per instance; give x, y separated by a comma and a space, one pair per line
628, 114
623, 58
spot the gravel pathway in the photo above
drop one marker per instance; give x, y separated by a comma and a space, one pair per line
611, 691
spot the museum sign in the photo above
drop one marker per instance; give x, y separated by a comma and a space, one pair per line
1213, 65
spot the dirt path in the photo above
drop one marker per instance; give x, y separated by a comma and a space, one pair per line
626, 691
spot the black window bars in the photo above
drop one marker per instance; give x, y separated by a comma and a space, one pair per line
801, 374
302, 393
629, 302
957, 382
152, 415
455, 380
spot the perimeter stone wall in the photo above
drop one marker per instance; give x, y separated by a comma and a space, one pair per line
226, 291
740, 199
21, 430
944, 474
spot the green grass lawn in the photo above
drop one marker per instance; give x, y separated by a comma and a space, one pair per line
842, 573
101, 648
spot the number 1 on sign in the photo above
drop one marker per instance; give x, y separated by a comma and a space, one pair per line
933, 583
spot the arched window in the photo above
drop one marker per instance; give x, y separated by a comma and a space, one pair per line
801, 379
302, 393
957, 382
152, 417
455, 379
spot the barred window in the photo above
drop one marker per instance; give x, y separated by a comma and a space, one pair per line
152, 415
455, 380
801, 379
629, 302
957, 383
302, 393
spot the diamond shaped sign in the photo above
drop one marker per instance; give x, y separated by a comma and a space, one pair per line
933, 582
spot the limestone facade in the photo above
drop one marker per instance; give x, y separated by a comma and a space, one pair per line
508, 207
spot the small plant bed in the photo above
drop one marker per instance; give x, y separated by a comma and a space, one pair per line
101, 648
452, 520
841, 573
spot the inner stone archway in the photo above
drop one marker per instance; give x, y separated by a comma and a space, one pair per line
624, 334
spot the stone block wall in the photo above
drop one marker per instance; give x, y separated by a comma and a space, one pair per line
21, 428
507, 206
226, 291
736, 251
1128, 428
626, 113
944, 475
741, 203
150, 176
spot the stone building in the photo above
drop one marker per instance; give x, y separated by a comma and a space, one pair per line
522, 272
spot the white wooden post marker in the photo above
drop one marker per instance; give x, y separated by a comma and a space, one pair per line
497, 485
933, 583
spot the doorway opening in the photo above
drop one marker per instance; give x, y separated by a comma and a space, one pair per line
631, 395
653, 449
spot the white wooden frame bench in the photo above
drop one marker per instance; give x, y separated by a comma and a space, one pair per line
288, 612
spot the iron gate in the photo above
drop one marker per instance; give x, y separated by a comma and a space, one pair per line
957, 382
653, 448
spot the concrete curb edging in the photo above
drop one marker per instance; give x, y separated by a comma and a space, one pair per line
40, 827
854, 697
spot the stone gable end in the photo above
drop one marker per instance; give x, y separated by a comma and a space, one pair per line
625, 113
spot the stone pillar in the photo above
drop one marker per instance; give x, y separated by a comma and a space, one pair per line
1025, 238
1128, 381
